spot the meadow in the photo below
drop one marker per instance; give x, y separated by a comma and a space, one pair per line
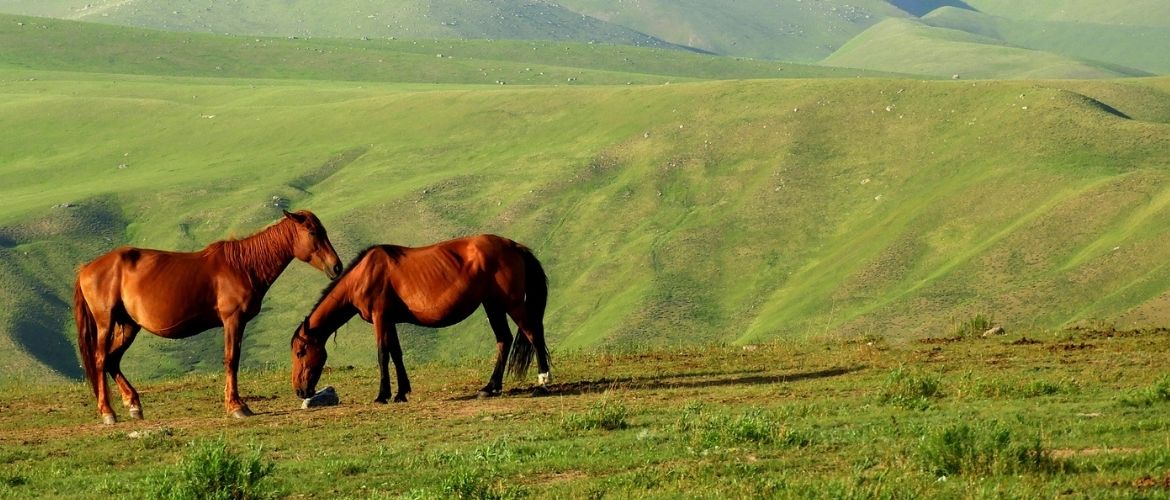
1046, 414
767, 279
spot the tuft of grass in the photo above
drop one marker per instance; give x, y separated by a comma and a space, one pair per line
211, 470
753, 426
1157, 393
910, 389
982, 449
470, 483
600, 415
973, 326
999, 388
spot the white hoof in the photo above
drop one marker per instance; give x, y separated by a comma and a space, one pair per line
544, 378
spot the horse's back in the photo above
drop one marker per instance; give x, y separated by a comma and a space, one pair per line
157, 288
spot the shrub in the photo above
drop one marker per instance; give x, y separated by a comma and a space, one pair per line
210, 470
910, 390
982, 449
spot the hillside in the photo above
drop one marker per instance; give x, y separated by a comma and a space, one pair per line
994, 38
687, 213
788, 30
948, 47
54, 45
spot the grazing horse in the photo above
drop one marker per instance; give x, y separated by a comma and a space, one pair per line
435, 286
177, 295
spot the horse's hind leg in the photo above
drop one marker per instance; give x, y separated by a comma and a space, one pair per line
388, 347
123, 334
499, 321
533, 331
102, 359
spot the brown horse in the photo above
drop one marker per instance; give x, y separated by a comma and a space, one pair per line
177, 295
434, 286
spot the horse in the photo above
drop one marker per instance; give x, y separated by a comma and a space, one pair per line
177, 295
434, 286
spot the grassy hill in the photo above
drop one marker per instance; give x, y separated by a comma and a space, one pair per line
447, 19
790, 30
1150, 13
705, 212
47, 44
795, 31
962, 48
716, 211
993, 38
1127, 45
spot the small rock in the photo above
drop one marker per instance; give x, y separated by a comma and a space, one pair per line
998, 330
324, 397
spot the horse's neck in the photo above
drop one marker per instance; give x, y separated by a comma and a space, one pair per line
334, 309
264, 255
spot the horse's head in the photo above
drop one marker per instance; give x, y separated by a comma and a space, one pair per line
308, 359
311, 243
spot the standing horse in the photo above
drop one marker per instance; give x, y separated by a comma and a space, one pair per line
177, 295
435, 286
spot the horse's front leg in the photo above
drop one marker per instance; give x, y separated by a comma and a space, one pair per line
233, 336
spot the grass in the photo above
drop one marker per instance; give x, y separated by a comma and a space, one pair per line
210, 469
792, 419
912, 46
752, 222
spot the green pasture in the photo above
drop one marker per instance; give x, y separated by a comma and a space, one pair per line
1041, 414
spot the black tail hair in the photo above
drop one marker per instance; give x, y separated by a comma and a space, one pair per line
535, 300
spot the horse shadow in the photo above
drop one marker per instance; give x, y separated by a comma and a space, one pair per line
685, 380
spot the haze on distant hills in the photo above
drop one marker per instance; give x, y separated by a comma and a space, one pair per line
979, 38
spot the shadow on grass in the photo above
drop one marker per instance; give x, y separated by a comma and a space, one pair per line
677, 381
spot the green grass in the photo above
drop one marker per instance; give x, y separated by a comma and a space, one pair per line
53, 45
791, 419
718, 211
1091, 39
210, 469
1134, 14
911, 46
791, 31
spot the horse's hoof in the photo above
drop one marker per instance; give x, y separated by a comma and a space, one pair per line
381, 401
400, 398
109, 419
136, 413
484, 394
540, 391
244, 412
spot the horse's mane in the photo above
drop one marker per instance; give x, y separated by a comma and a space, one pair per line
393, 251
253, 250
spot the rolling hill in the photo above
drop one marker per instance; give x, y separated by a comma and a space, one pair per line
912, 46
731, 211
990, 38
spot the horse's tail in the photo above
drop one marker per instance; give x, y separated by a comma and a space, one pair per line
86, 335
535, 300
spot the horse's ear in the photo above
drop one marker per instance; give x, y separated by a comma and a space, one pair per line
294, 216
